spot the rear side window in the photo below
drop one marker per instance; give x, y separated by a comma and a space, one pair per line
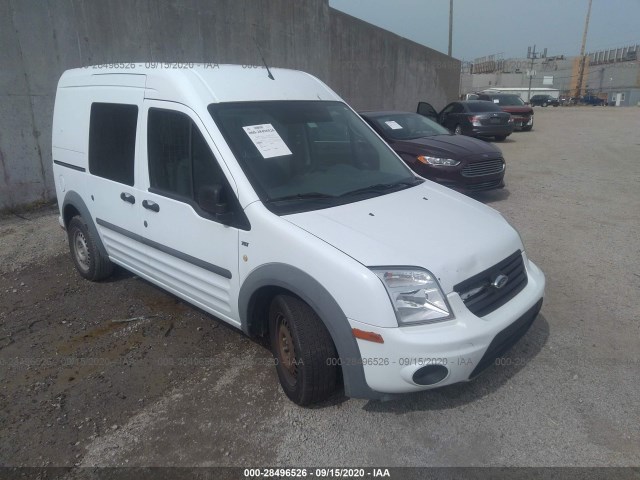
112, 141
180, 161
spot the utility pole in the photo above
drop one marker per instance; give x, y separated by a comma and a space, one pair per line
532, 54
450, 27
583, 59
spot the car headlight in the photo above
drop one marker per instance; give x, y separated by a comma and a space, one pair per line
415, 295
445, 162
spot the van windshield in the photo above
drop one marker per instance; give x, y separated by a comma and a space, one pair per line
308, 155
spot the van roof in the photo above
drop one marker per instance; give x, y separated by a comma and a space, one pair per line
212, 82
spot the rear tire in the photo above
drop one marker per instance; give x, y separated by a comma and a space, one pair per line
458, 130
303, 350
89, 262
544, 104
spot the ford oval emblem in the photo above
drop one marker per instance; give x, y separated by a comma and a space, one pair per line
500, 281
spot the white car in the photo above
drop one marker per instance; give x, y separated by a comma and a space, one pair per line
263, 199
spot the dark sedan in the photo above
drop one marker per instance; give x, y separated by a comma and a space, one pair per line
474, 118
460, 162
543, 101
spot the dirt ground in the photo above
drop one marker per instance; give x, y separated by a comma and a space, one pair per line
121, 373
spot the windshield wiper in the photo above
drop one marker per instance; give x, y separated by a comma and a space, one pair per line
381, 188
301, 196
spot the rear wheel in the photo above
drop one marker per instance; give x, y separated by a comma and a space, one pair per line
544, 104
500, 138
458, 130
89, 262
303, 350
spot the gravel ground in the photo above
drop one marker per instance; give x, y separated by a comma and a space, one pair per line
84, 386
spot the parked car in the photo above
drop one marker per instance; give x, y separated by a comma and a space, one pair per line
593, 100
262, 198
473, 118
522, 113
543, 101
457, 161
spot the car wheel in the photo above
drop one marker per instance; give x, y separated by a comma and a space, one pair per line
306, 359
544, 104
500, 138
458, 130
88, 259
527, 129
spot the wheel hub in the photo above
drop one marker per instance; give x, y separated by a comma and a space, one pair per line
286, 349
82, 251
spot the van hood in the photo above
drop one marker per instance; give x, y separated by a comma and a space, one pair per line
427, 226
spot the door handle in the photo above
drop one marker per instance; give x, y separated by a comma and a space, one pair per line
153, 206
127, 197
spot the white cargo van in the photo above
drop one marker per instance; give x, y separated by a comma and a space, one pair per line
270, 204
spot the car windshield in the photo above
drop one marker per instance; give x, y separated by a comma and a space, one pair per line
407, 126
308, 155
508, 100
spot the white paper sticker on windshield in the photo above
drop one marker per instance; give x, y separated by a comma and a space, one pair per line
267, 140
394, 125
495, 100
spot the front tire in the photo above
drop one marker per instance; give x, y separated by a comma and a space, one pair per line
303, 350
89, 262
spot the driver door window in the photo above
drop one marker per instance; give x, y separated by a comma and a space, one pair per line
180, 161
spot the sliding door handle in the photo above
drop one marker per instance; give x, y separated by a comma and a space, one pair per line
127, 197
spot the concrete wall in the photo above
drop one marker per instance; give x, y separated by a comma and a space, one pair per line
375, 69
39, 39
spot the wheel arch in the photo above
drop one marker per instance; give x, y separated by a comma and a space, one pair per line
73, 205
261, 286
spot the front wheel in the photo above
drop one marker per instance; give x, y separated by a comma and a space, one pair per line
500, 138
88, 259
306, 359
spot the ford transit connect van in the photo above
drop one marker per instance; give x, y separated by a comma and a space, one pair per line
263, 199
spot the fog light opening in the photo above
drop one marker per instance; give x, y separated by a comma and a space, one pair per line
430, 374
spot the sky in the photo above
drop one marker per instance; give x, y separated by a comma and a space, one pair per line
508, 27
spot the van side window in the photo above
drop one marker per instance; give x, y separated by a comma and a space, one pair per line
180, 161
112, 141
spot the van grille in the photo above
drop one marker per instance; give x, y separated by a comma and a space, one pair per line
478, 294
485, 167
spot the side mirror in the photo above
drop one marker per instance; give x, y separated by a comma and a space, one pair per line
212, 200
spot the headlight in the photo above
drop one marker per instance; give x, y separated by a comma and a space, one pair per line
445, 162
415, 295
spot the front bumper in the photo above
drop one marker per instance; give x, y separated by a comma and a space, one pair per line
465, 345
522, 121
491, 130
